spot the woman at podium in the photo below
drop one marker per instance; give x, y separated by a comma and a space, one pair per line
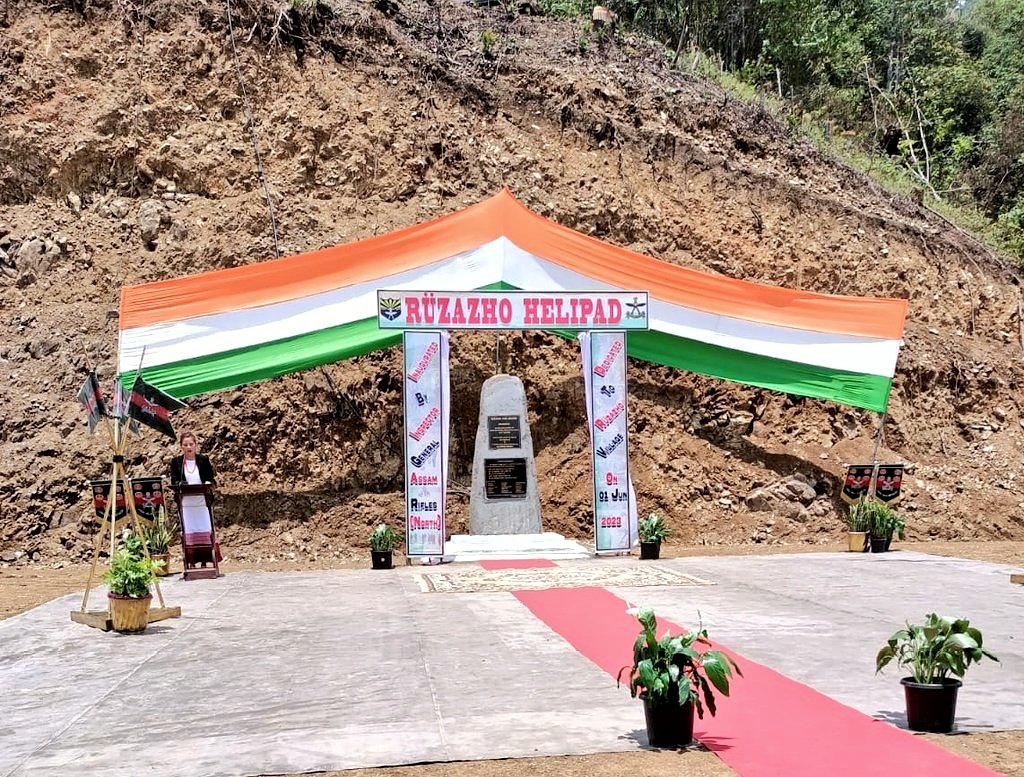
198, 536
191, 466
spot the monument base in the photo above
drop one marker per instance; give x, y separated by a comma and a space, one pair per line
503, 547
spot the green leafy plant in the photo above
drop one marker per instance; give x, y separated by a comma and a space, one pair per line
858, 517
875, 516
487, 41
653, 528
384, 538
676, 666
160, 535
941, 647
883, 521
561, 9
132, 543
129, 575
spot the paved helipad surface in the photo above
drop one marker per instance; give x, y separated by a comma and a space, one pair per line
313, 671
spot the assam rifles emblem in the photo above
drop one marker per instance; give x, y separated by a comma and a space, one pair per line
148, 494
888, 482
635, 309
857, 483
100, 494
391, 308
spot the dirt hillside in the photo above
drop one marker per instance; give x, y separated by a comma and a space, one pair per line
126, 156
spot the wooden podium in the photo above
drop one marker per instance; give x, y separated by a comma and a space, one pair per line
198, 547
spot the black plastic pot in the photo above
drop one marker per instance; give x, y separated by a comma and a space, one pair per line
669, 723
879, 544
931, 706
650, 550
380, 559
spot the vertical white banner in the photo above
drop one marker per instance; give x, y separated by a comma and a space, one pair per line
426, 441
604, 376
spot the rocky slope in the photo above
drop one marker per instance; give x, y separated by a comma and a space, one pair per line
126, 155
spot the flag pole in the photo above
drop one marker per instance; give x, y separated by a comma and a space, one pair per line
106, 415
130, 494
138, 372
108, 518
121, 422
874, 455
136, 521
117, 464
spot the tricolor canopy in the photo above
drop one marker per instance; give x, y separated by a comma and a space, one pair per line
230, 327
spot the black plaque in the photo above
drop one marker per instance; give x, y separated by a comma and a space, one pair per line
505, 478
503, 432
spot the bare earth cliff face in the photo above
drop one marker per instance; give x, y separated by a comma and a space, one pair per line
126, 157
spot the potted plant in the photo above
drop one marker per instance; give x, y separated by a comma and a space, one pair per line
652, 531
383, 540
673, 675
159, 537
943, 646
858, 524
129, 579
883, 523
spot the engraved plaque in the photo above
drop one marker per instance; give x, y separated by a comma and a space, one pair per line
505, 478
503, 432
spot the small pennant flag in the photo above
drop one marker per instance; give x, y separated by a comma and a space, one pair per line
92, 400
120, 408
152, 407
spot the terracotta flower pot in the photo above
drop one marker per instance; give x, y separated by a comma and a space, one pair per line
128, 614
857, 541
162, 570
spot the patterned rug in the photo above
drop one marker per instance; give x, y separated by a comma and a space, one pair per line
476, 580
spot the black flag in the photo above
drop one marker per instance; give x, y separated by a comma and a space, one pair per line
92, 400
120, 408
151, 406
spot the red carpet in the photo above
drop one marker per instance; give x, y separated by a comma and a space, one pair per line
771, 726
517, 563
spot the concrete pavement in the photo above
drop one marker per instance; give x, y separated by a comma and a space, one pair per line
312, 671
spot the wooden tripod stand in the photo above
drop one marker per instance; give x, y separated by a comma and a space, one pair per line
100, 619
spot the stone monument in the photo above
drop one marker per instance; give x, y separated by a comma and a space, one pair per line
503, 497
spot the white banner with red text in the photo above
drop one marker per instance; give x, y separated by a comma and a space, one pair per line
426, 399
604, 377
582, 310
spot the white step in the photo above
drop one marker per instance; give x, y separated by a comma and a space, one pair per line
480, 547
